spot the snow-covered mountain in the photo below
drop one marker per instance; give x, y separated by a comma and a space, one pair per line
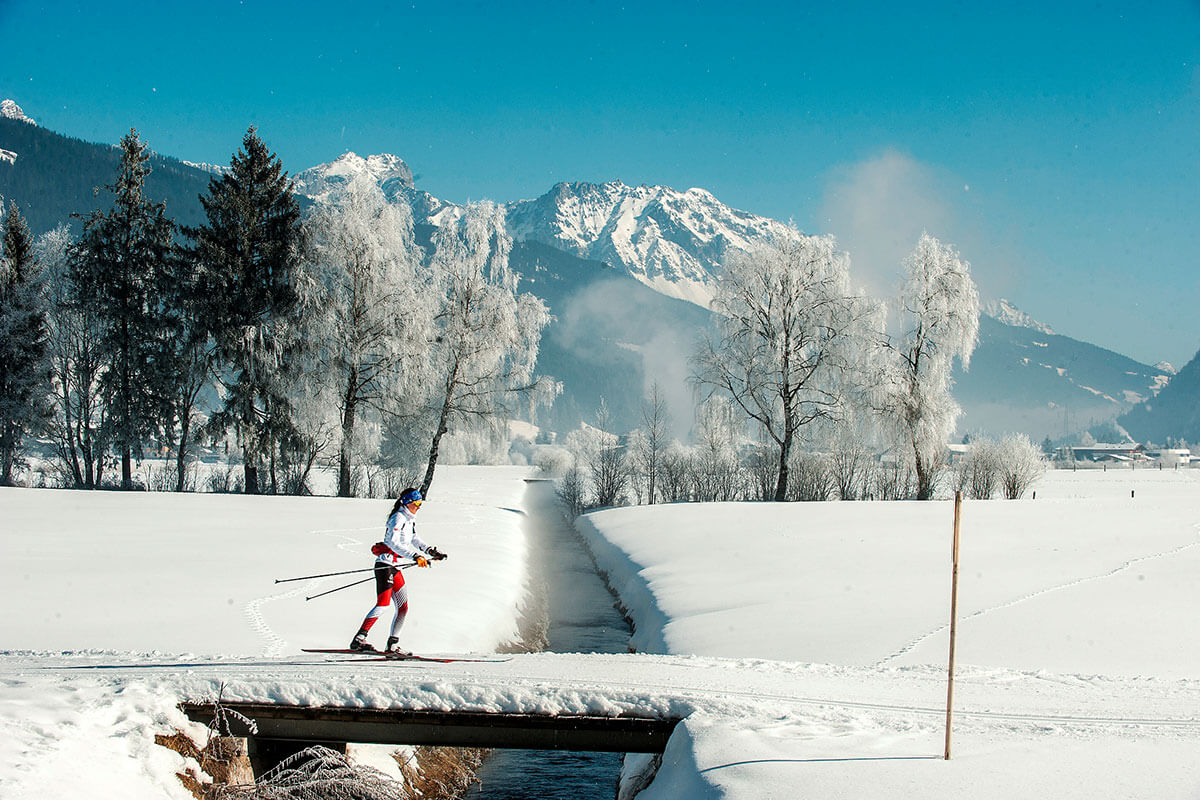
10, 110
211, 169
1024, 377
613, 263
672, 241
389, 171
1172, 413
392, 174
1003, 311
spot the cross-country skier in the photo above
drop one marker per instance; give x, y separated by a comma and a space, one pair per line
399, 542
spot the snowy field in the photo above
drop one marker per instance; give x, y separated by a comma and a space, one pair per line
805, 643
1077, 658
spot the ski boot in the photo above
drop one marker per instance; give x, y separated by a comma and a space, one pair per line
359, 643
393, 648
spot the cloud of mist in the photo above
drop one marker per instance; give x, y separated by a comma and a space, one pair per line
634, 318
879, 207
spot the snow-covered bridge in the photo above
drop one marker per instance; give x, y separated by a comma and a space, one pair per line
488, 729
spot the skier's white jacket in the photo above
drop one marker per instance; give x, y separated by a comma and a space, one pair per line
401, 538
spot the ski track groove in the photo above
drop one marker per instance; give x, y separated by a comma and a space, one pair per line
274, 644
908, 648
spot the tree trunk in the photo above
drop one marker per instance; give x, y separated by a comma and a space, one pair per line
126, 423
7, 458
925, 474
343, 472
85, 446
181, 457
442, 427
250, 471
344, 465
782, 482
785, 450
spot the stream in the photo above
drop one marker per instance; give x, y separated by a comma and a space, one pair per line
583, 618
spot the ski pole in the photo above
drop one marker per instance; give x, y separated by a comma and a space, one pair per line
324, 575
356, 583
338, 589
331, 574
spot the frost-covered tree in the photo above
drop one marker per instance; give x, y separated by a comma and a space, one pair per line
606, 463
646, 448
675, 482
715, 465
979, 470
24, 364
78, 427
939, 310
1021, 463
850, 458
369, 314
790, 334
248, 252
120, 264
486, 334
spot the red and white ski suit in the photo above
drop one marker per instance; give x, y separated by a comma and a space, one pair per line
401, 542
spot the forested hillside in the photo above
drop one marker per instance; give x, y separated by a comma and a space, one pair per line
54, 176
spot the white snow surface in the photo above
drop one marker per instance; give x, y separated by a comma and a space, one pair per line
803, 645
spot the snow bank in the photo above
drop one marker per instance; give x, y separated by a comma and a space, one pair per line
1077, 674
166, 583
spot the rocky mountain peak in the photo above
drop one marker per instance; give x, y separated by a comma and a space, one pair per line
1003, 311
9, 109
389, 171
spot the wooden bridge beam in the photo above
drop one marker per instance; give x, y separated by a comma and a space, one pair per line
445, 728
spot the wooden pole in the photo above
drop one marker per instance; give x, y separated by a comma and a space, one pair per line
953, 622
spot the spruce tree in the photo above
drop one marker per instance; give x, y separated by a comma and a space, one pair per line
248, 256
120, 263
184, 348
24, 367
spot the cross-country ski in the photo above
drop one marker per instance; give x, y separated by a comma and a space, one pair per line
380, 655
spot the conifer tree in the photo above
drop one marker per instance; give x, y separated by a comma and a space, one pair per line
119, 265
184, 349
24, 368
248, 255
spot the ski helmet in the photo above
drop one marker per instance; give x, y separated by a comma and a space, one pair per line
410, 496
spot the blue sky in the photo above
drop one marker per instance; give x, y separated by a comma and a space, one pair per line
1057, 145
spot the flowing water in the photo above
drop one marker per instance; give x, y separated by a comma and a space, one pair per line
582, 619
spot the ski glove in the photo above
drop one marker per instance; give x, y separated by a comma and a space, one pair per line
422, 561
436, 555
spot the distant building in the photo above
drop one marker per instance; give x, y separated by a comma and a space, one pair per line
1172, 457
1130, 451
